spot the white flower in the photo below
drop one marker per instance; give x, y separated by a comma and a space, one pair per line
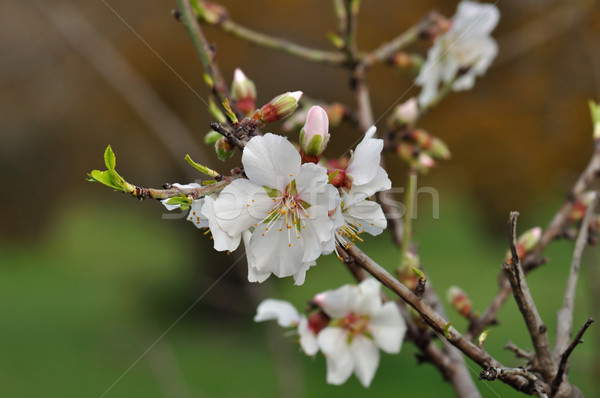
285, 204
356, 214
360, 325
287, 316
466, 45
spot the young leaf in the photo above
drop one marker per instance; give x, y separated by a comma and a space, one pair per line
110, 159
201, 168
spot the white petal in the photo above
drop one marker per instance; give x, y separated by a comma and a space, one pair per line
365, 162
365, 356
308, 340
222, 240
369, 300
270, 161
474, 18
339, 302
430, 74
333, 343
241, 205
254, 275
284, 312
300, 276
366, 216
358, 193
388, 328
277, 250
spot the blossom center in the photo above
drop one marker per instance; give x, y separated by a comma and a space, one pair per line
355, 324
288, 214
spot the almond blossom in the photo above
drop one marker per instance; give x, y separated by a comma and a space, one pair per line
465, 51
284, 204
350, 328
362, 178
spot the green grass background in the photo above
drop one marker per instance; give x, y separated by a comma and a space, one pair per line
109, 277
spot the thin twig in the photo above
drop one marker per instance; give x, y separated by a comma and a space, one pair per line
537, 330
565, 355
564, 325
285, 46
519, 352
491, 374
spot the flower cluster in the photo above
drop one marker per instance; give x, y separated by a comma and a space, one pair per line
290, 209
463, 52
349, 326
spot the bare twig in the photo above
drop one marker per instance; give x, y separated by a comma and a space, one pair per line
519, 353
285, 46
537, 330
491, 374
565, 356
564, 323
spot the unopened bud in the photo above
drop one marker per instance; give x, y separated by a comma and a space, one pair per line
407, 62
432, 145
209, 12
280, 107
243, 91
224, 149
407, 113
595, 111
530, 239
314, 136
212, 137
318, 321
459, 300
581, 206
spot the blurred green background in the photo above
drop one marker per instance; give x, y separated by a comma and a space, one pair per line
90, 279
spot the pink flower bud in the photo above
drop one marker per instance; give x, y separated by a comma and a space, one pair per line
314, 136
459, 300
280, 107
407, 113
243, 91
530, 239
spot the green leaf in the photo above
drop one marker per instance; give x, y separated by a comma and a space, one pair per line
104, 177
182, 200
110, 159
229, 112
201, 168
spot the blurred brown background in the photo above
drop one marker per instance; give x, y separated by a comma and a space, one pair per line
521, 133
89, 278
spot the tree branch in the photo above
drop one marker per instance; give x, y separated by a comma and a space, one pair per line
565, 356
205, 51
537, 330
564, 323
172, 191
436, 322
285, 46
